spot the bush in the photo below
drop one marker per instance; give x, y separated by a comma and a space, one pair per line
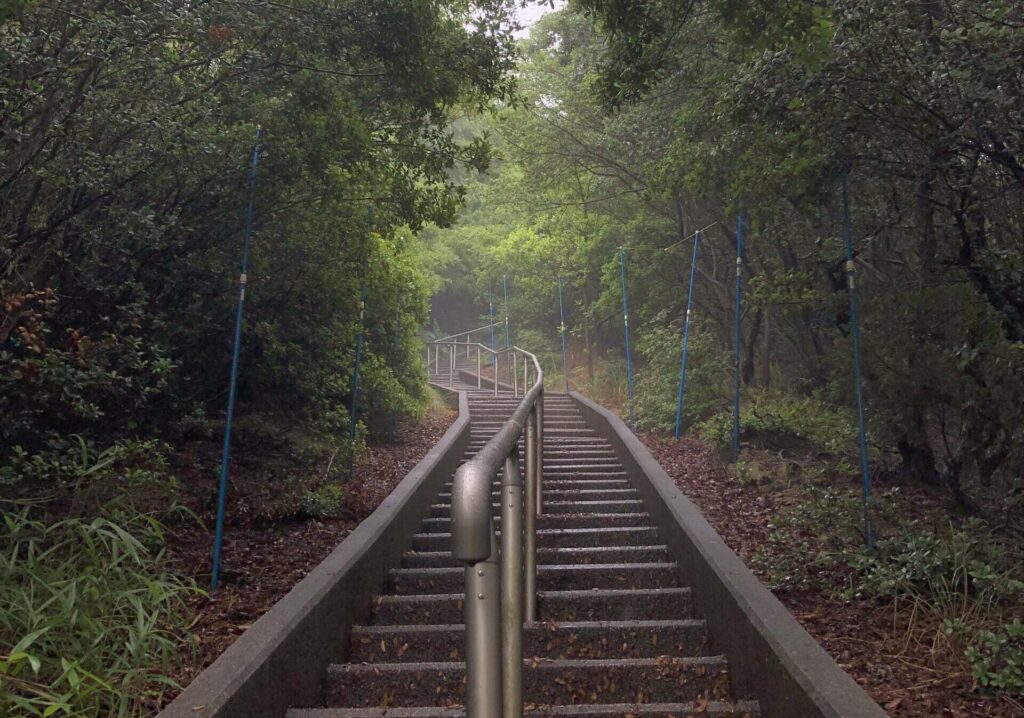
90, 621
775, 416
657, 382
323, 503
964, 565
997, 659
86, 479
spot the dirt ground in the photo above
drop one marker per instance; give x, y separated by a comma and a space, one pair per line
262, 562
897, 656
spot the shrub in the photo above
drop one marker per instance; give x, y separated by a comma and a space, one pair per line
997, 658
323, 503
775, 416
657, 382
90, 621
962, 566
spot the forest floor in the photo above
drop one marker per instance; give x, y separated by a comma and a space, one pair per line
263, 558
898, 654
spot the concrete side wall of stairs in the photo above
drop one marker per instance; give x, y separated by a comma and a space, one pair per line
280, 661
770, 654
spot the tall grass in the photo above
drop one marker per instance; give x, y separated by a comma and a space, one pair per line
91, 623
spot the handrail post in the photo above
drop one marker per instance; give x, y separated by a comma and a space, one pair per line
530, 520
513, 369
526, 375
483, 636
437, 358
428, 358
479, 370
512, 587
540, 454
451, 365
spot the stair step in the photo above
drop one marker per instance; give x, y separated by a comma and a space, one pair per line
550, 577
585, 639
600, 605
698, 709
562, 507
551, 521
545, 555
576, 538
552, 493
546, 681
573, 485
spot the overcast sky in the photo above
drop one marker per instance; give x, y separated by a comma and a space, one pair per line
531, 13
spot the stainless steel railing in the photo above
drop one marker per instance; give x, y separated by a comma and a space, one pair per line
443, 356
467, 334
501, 584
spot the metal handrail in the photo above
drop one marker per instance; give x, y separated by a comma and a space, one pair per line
453, 349
501, 585
467, 333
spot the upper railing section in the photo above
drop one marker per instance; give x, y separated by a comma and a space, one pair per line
501, 585
452, 357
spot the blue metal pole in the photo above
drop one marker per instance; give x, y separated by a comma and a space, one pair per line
354, 409
686, 338
561, 331
504, 285
225, 458
736, 367
625, 326
394, 352
869, 533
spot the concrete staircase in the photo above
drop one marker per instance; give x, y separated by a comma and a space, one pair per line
616, 636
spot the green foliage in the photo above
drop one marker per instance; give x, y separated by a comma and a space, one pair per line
323, 503
997, 659
125, 182
960, 565
657, 381
717, 430
90, 621
811, 536
777, 418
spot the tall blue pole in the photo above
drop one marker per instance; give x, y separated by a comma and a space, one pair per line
686, 338
561, 331
490, 320
736, 362
394, 351
625, 327
869, 533
225, 458
504, 285
354, 409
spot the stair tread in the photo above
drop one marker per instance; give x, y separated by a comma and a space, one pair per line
680, 710
603, 520
529, 663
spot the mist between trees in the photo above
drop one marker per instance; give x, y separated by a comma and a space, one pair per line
125, 132
643, 122
678, 122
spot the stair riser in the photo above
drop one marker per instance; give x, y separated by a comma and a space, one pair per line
549, 578
562, 507
568, 640
548, 521
579, 606
641, 536
552, 556
560, 495
357, 685
691, 709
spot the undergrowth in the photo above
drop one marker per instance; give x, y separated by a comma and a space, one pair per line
959, 585
90, 622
